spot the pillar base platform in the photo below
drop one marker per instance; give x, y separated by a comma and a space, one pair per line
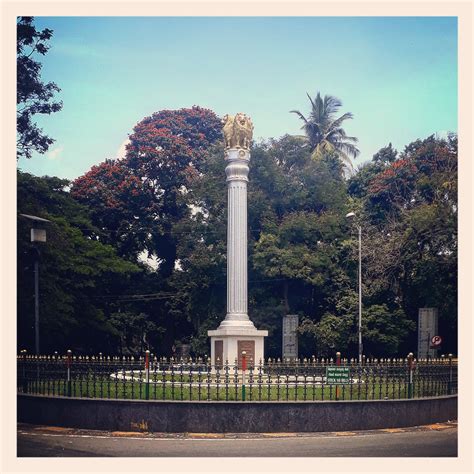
228, 343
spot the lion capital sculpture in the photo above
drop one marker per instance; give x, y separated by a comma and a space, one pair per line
237, 131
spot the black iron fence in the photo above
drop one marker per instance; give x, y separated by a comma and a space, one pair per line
152, 378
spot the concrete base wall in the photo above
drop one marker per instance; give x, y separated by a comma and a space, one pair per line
233, 417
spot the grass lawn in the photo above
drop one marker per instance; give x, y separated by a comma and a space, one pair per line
203, 388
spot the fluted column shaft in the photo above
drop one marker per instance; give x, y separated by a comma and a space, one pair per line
237, 171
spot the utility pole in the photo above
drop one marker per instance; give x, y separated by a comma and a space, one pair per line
360, 294
352, 215
37, 235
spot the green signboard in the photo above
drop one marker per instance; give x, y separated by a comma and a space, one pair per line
337, 375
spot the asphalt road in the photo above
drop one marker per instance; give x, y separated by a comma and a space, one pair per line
438, 440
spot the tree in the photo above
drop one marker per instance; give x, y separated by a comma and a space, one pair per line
168, 197
142, 201
385, 155
33, 96
324, 132
166, 151
297, 205
121, 207
140, 198
410, 233
77, 272
385, 330
135, 331
358, 183
301, 248
331, 334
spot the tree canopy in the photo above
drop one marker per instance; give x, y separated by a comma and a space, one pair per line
167, 198
77, 272
139, 199
324, 132
33, 96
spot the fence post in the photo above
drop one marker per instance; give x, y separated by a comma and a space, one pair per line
244, 366
25, 382
410, 375
450, 383
69, 355
338, 362
147, 374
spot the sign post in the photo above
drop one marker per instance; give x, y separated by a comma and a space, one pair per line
147, 374
436, 342
337, 375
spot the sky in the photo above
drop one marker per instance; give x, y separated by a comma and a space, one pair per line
397, 75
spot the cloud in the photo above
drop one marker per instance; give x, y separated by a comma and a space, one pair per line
55, 153
120, 153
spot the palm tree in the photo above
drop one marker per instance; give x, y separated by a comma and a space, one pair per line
324, 133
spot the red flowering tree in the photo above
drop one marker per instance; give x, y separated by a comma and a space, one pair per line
167, 149
424, 173
119, 205
396, 183
410, 233
140, 198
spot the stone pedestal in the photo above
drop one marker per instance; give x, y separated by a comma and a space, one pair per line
236, 332
227, 346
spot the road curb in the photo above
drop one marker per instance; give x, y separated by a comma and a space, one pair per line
24, 428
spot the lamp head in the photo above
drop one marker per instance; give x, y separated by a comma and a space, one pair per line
350, 215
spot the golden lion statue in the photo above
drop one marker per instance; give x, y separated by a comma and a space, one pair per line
237, 131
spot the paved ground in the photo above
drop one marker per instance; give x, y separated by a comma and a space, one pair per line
439, 440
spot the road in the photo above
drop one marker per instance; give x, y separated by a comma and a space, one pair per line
439, 440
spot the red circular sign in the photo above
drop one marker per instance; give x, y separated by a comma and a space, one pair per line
436, 340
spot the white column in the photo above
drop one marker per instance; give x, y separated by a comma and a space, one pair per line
237, 329
237, 171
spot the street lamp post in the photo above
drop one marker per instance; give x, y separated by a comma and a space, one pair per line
37, 235
352, 215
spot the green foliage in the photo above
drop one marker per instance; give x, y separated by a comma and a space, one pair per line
134, 331
139, 199
384, 330
332, 334
410, 233
76, 271
324, 132
33, 96
297, 248
168, 199
385, 155
121, 207
358, 184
